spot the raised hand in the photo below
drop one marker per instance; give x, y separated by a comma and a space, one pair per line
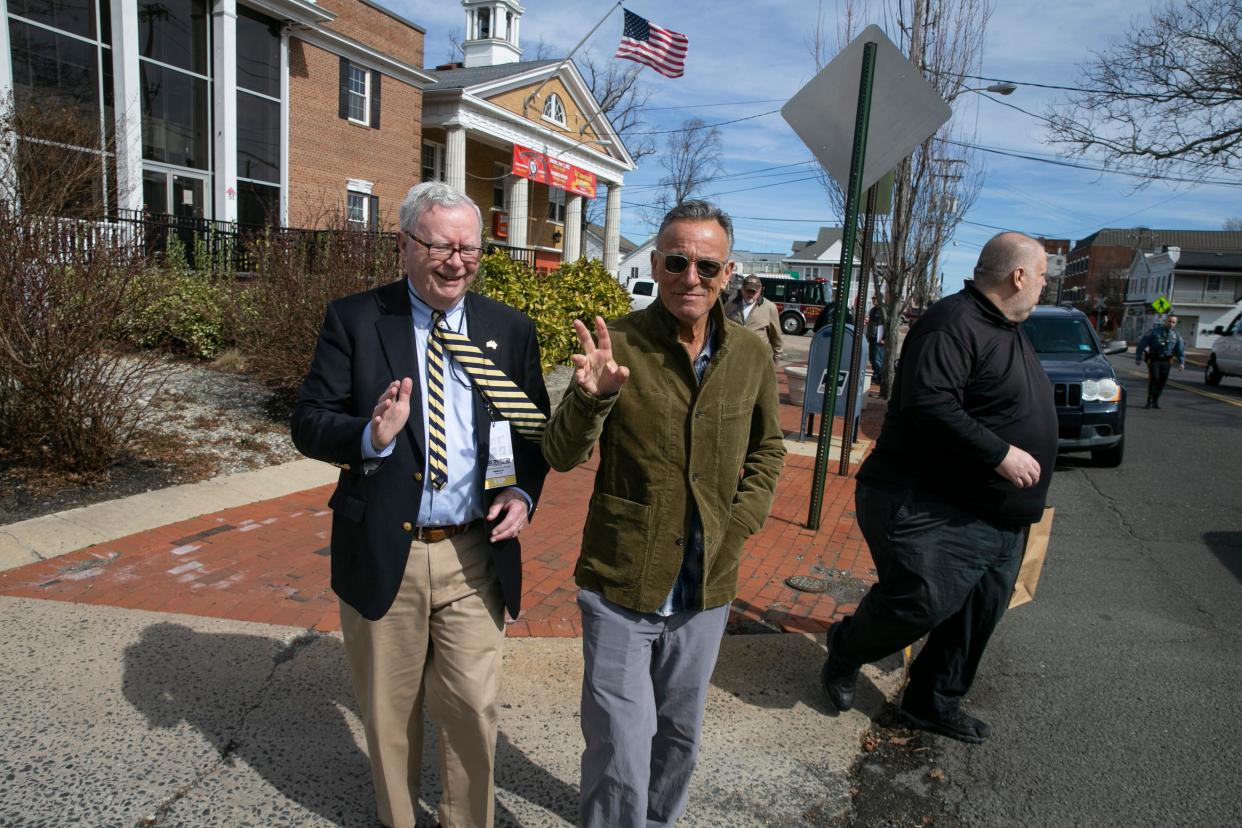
594, 368
390, 413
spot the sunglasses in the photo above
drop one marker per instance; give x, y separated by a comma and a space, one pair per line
706, 268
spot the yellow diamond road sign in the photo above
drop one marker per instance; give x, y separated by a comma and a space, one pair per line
1161, 305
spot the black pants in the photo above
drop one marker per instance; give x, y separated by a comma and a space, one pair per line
1157, 376
944, 573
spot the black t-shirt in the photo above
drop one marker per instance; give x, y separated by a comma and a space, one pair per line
969, 385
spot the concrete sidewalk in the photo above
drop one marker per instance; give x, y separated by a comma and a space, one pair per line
189, 672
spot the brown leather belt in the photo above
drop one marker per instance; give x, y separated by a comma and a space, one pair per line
435, 534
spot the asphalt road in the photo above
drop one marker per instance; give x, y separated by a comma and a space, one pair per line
1116, 696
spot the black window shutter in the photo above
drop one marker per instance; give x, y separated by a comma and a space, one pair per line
343, 105
375, 98
374, 211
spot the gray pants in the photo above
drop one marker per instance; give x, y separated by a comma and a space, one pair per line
643, 691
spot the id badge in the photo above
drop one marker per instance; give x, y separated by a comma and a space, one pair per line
500, 469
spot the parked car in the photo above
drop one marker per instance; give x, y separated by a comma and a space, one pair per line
642, 293
1090, 402
1226, 357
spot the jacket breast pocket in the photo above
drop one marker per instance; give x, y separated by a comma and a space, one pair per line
347, 506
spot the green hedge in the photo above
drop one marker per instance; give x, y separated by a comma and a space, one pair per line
578, 290
180, 309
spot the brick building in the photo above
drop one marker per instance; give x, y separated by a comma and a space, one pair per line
250, 110
526, 140
1096, 268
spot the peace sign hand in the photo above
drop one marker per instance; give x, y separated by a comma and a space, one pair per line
594, 369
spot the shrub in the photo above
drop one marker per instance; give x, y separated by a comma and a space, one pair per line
277, 318
181, 309
67, 396
578, 290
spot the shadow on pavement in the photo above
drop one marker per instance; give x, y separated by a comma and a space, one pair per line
282, 710
1227, 547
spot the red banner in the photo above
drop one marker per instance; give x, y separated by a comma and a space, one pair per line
539, 167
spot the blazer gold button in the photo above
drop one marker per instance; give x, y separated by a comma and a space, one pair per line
418, 475
407, 526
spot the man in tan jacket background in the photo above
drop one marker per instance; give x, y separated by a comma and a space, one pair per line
750, 309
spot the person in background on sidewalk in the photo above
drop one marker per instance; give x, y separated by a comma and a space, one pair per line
755, 313
684, 406
429, 504
875, 336
961, 468
1160, 347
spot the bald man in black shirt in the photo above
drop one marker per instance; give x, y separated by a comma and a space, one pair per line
960, 470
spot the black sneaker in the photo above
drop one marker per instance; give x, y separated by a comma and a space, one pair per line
960, 726
1155, 404
1148, 404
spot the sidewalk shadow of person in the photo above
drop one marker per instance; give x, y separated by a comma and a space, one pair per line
285, 710
778, 670
1227, 547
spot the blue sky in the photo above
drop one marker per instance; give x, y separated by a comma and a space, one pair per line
746, 59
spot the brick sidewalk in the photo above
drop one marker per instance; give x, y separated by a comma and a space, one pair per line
267, 561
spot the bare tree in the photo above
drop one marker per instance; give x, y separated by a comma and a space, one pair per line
691, 160
1232, 223
1168, 97
621, 98
52, 159
935, 186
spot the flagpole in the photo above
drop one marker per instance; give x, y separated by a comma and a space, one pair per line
531, 97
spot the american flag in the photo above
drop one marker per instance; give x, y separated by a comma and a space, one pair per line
662, 49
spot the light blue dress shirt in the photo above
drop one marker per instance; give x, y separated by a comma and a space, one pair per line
459, 500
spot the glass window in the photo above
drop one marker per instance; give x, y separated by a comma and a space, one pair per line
53, 72
500, 174
1059, 335
174, 32
359, 94
485, 23
258, 138
356, 207
77, 16
433, 168
554, 110
556, 204
258, 52
257, 204
174, 117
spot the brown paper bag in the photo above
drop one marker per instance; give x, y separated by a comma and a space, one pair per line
1032, 560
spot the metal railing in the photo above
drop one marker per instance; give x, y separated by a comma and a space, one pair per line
1203, 296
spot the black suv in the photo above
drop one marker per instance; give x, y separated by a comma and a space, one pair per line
1091, 403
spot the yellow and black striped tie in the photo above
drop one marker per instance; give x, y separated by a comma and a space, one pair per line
437, 446
509, 400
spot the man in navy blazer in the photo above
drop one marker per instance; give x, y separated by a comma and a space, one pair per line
425, 557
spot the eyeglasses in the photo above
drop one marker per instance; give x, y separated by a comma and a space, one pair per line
677, 263
443, 252
750, 290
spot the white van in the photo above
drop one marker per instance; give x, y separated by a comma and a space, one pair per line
642, 293
1226, 357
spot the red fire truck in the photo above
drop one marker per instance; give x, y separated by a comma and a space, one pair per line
799, 301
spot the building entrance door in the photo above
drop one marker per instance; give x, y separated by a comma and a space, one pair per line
174, 193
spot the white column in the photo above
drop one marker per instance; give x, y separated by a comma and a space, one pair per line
8, 148
284, 126
224, 109
126, 83
572, 250
519, 212
455, 157
612, 230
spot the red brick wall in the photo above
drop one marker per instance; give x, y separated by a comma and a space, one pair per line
325, 149
380, 31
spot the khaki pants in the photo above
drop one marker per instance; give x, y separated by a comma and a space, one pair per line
440, 642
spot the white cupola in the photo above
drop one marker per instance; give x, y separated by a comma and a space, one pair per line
492, 29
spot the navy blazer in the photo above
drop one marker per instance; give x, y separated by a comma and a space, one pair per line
367, 341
